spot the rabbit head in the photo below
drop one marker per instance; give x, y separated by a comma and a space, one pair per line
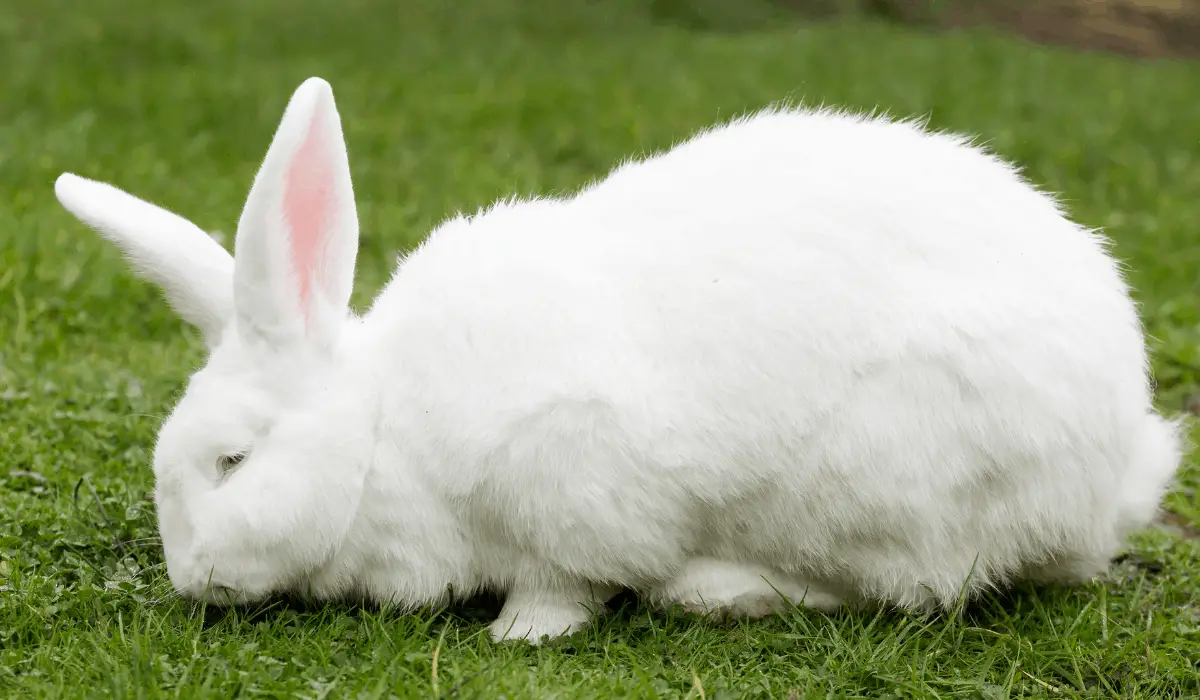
272, 316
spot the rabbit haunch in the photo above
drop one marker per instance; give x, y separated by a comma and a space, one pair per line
804, 355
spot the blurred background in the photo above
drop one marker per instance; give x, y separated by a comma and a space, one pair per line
448, 105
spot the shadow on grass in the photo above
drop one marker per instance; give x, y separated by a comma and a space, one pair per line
626, 610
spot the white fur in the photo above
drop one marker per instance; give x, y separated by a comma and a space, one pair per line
806, 354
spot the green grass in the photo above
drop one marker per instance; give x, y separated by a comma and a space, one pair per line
448, 105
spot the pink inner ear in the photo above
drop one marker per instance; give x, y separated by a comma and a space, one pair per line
308, 204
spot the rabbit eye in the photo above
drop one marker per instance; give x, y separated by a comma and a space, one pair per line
227, 463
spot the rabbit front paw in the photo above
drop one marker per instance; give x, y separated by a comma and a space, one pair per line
533, 614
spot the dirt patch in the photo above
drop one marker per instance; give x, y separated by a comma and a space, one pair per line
1179, 525
1144, 28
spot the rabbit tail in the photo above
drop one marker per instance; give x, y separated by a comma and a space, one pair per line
1154, 458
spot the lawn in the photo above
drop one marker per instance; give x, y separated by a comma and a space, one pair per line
448, 105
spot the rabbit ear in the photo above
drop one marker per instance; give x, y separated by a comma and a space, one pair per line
298, 235
194, 271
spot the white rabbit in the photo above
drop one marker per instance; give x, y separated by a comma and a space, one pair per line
804, 355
